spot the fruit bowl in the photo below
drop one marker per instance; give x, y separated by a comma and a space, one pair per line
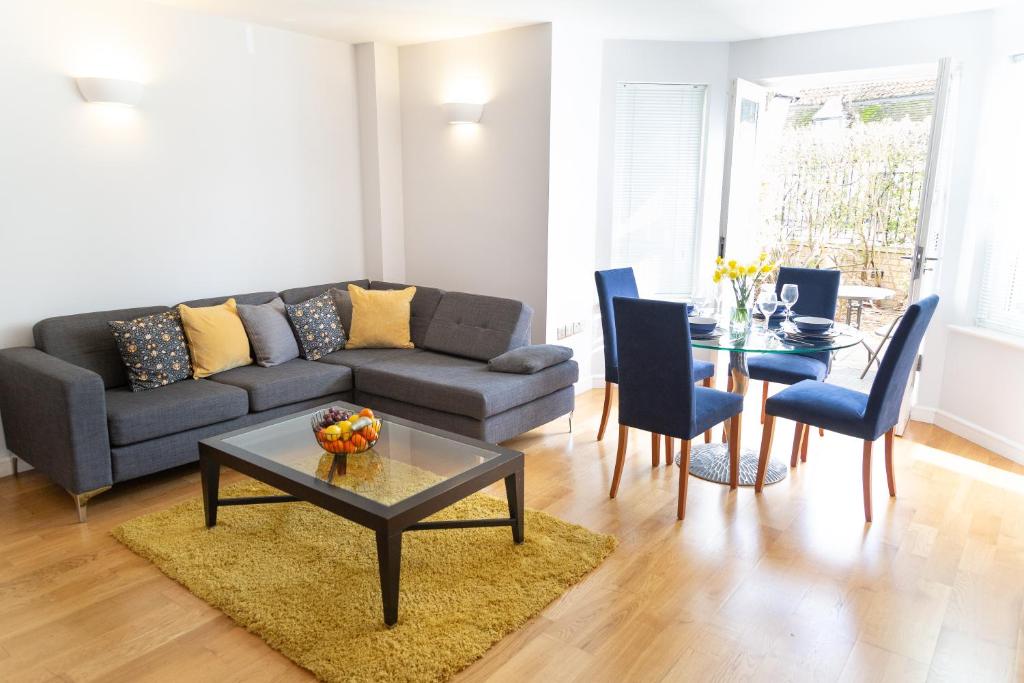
342, 431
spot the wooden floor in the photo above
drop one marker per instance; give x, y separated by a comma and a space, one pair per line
789, 585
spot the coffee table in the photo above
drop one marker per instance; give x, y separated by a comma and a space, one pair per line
412, 472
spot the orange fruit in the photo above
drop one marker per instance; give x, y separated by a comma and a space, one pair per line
366, 412
359, 441
369, 433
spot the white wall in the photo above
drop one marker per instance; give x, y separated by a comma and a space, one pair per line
572, 209
476, 196
239, 171
968, 39
661, 62
380, 145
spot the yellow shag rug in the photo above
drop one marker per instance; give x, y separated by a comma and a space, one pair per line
305, 580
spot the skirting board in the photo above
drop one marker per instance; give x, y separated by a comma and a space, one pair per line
7, 465
972, 432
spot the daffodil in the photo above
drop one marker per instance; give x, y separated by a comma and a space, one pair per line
732, 264
719, 260
766, 268
763, 256
751, 270
717, 277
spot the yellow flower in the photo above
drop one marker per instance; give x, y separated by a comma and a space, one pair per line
717, 277
751, 270
733, 274
763, 256
766, 268
718, 261
732, 263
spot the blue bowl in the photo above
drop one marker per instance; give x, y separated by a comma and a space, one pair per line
702, 326
810, 324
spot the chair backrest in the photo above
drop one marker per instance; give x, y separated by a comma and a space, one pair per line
819, 290
883, 409
655, 366
610, 284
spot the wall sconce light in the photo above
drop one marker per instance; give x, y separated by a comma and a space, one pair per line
463, 112
110, 90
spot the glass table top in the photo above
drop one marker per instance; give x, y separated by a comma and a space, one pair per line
759, 340
404, 461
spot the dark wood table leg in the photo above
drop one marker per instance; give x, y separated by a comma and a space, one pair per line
514, 492
389, 562
209, 471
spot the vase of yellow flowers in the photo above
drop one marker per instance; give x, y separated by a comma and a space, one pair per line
745, 279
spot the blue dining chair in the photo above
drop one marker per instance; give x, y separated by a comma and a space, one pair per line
863, 416
622, 282
656, 386
818, 296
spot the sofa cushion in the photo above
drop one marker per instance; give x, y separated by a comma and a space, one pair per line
424, 304
460, 385
317, 326
153, 350
291, 382
357, 358
270, 333
134, 416
480, 327
85, 340
527, 360
297, 294
216, 338
251, 299
380, 319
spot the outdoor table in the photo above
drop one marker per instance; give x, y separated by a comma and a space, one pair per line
858, 295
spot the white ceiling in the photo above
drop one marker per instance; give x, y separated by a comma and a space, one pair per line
415, 21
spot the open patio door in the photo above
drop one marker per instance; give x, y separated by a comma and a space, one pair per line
738, 227
931, 223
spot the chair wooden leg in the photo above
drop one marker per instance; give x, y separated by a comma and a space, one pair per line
735, 426
620, 459
764, 398
728, 385
684, 476
766, 448
821, 432
670, 447
866, 474
889, 473
803, 444
655, 449
709, 382
798, 438
607, 409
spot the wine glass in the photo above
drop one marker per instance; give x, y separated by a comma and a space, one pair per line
790, 293
767, 303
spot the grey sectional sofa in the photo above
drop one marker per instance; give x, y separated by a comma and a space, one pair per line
67, 409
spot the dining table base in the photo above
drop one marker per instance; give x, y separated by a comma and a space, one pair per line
710, 462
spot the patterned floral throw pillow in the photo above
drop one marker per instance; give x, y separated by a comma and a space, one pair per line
153, 350
317, 326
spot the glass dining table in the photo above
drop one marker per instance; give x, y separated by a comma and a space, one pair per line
711, 461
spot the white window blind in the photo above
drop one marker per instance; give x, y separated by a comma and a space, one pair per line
659, 153
1001, 296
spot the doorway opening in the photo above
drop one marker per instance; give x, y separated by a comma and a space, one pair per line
842, 165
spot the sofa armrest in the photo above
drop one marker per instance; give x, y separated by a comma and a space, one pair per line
55, 417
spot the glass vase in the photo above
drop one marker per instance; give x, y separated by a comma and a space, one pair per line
739, 323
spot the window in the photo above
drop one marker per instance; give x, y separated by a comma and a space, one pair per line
1001, 297
659, 154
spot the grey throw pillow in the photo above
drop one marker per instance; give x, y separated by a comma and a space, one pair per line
343, 304
527, 360
269, 333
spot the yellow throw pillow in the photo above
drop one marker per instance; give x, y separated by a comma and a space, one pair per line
216, 338
380, 318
